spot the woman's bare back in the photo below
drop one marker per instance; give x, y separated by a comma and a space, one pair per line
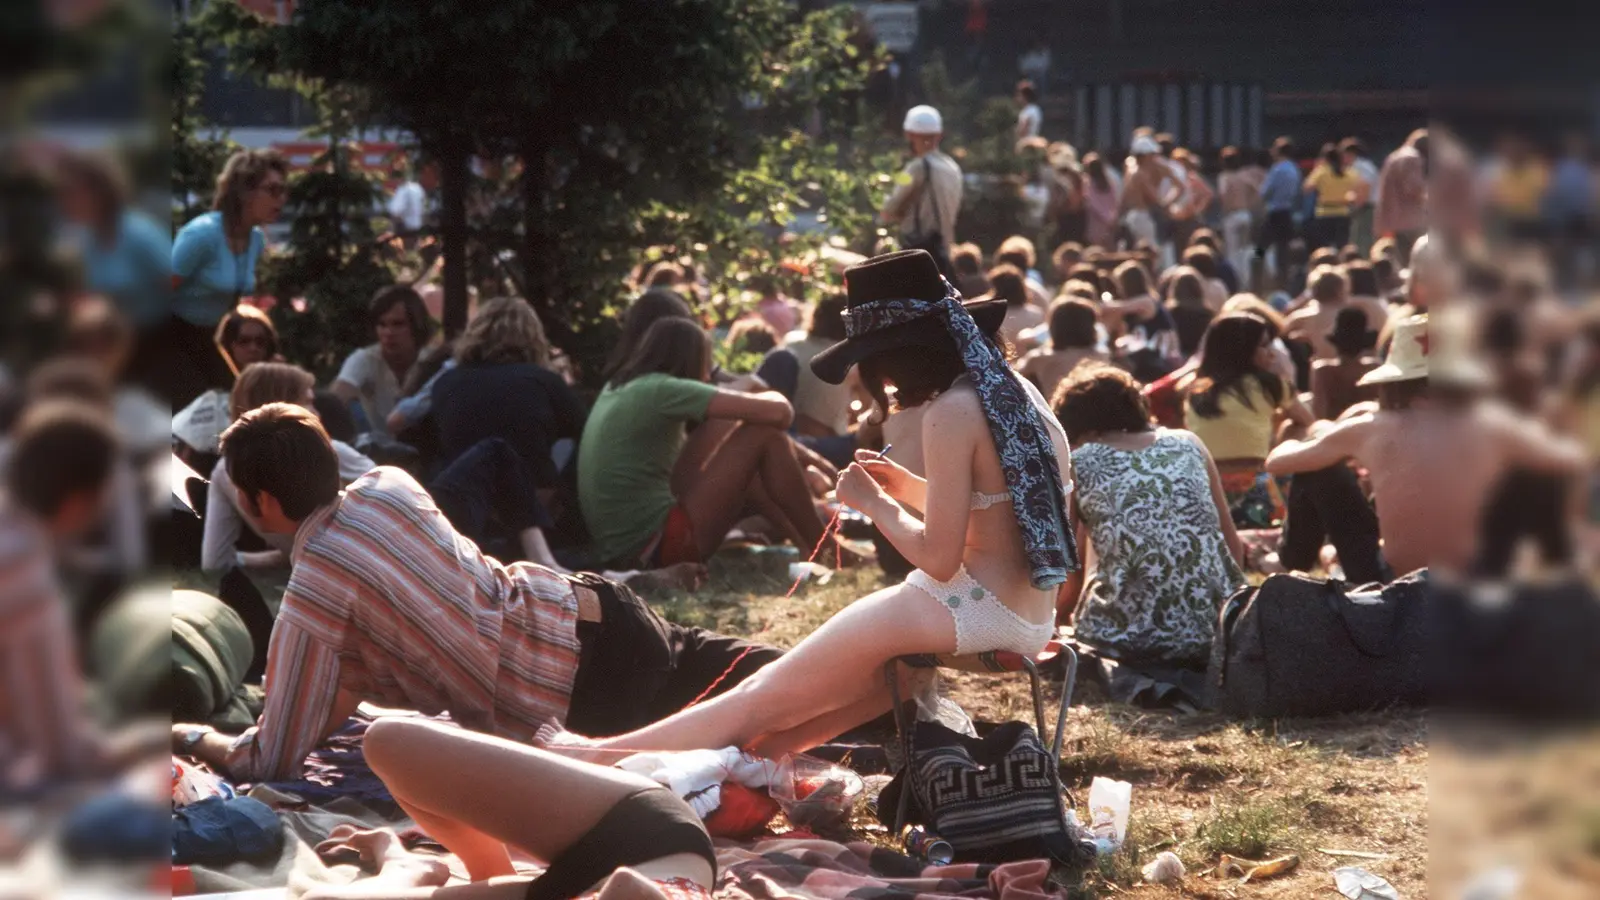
994, 553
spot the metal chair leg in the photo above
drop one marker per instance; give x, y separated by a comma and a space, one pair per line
1068, 683
1038, 695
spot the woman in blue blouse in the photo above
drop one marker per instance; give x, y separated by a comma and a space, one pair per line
214, 265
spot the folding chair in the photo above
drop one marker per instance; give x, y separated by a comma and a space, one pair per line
992, 661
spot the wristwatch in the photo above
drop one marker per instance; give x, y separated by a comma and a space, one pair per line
192, 738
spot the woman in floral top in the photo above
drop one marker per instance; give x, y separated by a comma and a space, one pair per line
1163, 553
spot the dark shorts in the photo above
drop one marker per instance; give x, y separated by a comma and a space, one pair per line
636, 668
643, 826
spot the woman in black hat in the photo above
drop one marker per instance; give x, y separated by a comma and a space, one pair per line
987, 529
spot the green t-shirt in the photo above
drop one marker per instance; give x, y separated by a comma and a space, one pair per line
630, 444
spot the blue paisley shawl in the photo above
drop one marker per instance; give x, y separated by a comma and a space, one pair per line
1021, 436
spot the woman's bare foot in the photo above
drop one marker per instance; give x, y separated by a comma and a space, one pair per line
554, 738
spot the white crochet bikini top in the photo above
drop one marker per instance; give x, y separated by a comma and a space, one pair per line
980, 500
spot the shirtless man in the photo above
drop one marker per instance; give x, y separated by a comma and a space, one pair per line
1150, 188
1330, 292
1434, 460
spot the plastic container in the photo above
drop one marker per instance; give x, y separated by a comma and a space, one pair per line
1110, 804
815, 793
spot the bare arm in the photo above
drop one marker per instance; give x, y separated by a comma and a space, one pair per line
345, 391
1324, 447
1070, 595
765, 408
933, 544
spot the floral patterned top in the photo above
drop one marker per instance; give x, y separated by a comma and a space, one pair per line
1162, 565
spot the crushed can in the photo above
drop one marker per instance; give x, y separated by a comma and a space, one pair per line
926, 846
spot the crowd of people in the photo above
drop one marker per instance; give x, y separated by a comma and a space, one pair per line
1196, 383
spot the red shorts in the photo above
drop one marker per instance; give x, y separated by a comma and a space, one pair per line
674, 543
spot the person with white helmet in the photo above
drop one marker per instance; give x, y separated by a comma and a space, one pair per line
927, 199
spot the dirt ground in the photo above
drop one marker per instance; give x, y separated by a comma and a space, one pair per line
1203, 786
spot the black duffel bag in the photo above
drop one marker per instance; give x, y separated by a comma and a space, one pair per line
1301, 646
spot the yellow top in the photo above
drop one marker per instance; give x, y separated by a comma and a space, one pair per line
1241, 432
1520, 190
1331, 189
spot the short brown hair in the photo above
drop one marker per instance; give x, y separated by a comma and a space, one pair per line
1202, 259
1399, 395
403, 295
70, 378
269, 382
671, 346
1328, 284
1086, 290
1058, 259
1132, 279
752, 334
1072, 324
1100, 399
967, 259
61, 448
1008, 284
243, 174
283, 450
1018, 251
95, 326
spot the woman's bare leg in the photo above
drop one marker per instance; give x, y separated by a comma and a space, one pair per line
473, 792
825, 727
835, 667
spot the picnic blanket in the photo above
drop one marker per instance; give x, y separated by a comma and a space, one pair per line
812, 869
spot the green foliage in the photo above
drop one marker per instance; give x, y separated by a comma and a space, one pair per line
334, 262
197, 160
688, 123
1252, 829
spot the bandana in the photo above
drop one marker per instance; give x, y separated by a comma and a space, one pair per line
1021, 436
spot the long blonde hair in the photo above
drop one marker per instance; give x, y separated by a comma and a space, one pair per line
505, 330
269, 382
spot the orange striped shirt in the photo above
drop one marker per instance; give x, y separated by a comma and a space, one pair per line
41, 687
389, 602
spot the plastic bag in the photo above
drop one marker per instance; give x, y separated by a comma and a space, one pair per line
815, 793
1110, 804
191, 785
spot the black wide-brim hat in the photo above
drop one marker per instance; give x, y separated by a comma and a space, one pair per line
907, 275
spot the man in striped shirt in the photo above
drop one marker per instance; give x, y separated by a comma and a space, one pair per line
388, 603
56, 479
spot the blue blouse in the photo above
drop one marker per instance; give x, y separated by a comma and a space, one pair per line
213, 277
134, 269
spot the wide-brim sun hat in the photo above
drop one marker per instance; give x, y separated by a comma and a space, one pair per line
906, 275
1415, 353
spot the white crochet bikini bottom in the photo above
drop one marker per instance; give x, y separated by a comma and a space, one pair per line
983, 623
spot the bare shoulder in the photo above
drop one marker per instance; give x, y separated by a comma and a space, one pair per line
959, 405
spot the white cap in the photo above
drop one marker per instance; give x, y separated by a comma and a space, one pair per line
1144, 144
924, 120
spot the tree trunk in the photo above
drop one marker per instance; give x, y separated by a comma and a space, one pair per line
538, 262
453, 175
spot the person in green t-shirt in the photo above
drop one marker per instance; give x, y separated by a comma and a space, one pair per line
653, 496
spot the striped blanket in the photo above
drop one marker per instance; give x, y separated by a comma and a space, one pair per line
782, 869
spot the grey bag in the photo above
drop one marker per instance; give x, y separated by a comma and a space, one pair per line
1300, 646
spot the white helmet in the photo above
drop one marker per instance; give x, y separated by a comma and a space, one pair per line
924, 120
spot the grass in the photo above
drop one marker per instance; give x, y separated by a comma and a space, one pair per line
1203, 785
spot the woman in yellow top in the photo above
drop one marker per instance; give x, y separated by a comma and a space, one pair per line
1233, 404
1339, 190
